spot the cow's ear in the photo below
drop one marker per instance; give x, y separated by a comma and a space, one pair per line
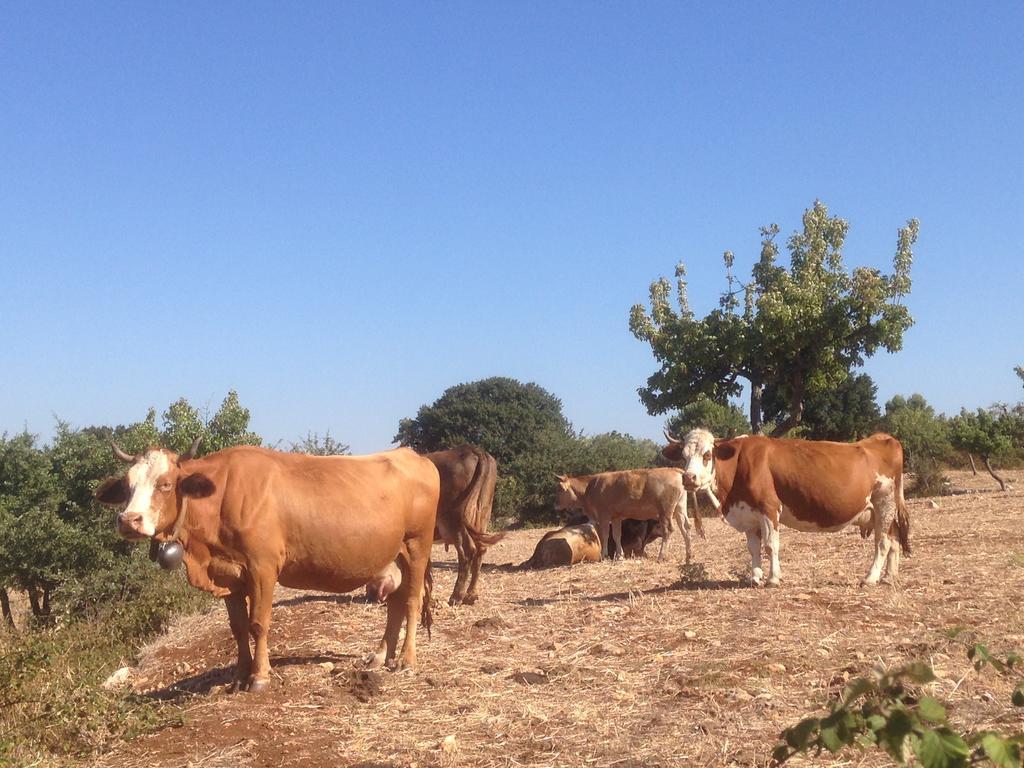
724, 450
196, 486
113, 492
673, 452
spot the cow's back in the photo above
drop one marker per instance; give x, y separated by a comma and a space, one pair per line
641, 494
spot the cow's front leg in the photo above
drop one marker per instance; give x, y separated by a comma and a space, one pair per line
604, 530
419, 562
388, 645
238, 618
261, 601
617, 533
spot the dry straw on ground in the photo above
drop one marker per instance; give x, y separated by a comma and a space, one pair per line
611, 664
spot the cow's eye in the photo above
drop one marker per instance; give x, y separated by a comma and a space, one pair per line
707, 458
164, 487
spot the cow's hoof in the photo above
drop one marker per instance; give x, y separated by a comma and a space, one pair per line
774, 581
869, 582
257, 684
470, 599
374, 661
403, 664
453, 600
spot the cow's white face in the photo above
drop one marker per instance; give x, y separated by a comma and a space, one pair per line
150, 485
697, 459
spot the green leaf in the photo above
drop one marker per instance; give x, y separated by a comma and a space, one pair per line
930, 709
876, 722
896, 730
831, 739
942, 748
1000, 751
856, 688
919, 672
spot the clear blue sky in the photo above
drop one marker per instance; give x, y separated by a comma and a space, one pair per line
341, 209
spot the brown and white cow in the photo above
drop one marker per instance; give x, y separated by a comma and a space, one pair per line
809, 485
568, 545
249, 518
468, 476
608, 498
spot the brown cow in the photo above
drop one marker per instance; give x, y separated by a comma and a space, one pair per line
566, 546
807, 484
608, 498
468, 477
249, 518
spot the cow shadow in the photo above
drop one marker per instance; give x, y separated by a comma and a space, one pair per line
692, 578
219, 677
324, 597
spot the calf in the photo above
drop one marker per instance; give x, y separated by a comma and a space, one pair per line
566, 546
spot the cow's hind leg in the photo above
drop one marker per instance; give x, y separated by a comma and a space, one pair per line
754, 546
770, 537
419, 561
238, 618
883, 502
388, 646
474, 574
465, 548
617, 533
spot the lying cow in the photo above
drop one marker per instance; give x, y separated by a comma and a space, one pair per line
636, 535
468, 476
807, 485
249, 518
608, 498
566, 546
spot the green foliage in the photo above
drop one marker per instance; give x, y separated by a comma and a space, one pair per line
925, 439
612, 451
315, 445
801, 330
521, 425
887, 710
721, 419
986, 432
52, 704
229, 426
1019, 370
845, 412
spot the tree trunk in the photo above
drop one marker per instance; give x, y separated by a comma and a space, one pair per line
5, 606
988, 466
33, 600
796, 410
756, 391
46, 599
974, 469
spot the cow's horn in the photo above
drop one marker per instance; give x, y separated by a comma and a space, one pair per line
127, 458
191, 452
670, 438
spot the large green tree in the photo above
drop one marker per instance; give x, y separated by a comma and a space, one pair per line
847, 411
521, 425
229, 425
798, 331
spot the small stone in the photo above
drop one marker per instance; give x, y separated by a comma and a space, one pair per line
689, 634
118, 679
449, 745
776, 667
327, 666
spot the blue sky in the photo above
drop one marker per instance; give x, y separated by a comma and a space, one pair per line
341, 209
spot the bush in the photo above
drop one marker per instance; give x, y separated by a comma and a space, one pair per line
52, 703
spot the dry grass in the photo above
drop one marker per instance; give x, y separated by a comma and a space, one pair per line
610, 664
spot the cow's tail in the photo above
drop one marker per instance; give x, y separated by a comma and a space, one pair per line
484, 539
902, 517
426, 615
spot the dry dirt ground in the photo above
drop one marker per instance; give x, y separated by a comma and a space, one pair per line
612, 664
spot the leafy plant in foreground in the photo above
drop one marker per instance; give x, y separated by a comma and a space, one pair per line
888, 711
